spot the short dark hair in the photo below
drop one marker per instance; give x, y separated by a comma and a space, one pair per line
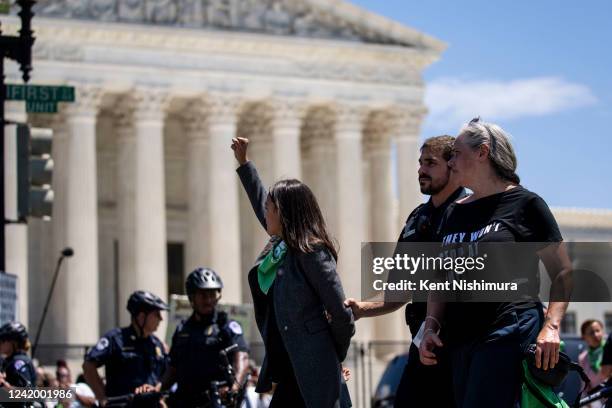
587, 323
442, 145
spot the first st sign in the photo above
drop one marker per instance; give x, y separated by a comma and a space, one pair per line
40, 98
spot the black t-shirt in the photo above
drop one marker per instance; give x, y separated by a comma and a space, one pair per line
423, 222
515, 215
421, 226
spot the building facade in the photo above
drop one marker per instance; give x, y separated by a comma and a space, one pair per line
144, 180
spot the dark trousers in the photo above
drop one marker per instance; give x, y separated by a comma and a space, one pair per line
487, 371
287, 392
425, 386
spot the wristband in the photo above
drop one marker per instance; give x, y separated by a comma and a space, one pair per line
435, 320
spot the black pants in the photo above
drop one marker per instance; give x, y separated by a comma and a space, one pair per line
287, 392
425, 386
487, 371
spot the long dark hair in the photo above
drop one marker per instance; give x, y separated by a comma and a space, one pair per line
300, 216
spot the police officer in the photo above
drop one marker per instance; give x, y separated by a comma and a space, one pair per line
17, 368
422, 385
197, 342
133, 356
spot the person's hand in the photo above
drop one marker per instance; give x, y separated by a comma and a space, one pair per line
223, 391
239, 146
2, 379
145, 388
547, 347
356, 307
428, 344
346, 373
235, 389
327, 316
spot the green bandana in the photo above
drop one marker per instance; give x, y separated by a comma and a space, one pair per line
266, 272
595, 356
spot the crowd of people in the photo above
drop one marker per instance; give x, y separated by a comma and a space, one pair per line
466, 355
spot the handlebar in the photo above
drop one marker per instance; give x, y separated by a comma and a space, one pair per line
146, 399
604, 390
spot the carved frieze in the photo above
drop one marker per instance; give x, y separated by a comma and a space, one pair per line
278, 17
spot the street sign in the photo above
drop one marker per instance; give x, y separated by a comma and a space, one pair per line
41, 107
39, 93
40, 98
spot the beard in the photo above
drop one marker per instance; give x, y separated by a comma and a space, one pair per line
431, 187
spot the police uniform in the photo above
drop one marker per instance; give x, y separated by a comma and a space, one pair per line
19, 370
130, 360
422, 385
195, 355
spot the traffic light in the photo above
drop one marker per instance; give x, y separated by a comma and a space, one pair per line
34, 172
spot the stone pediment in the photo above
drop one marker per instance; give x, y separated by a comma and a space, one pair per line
327, 19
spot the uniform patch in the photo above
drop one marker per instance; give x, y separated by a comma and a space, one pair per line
19, 364
409, 228
408, 233
102, 344
235, 327
158, 351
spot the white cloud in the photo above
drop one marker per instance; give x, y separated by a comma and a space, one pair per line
452, 102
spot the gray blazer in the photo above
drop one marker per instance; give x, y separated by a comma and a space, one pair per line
305, 286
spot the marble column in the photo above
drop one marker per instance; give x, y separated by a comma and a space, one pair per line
319, 161
82, 229
75, 308
286, 138
383, 227
223, 237
198, 168
406, 138
141, 195
255, 121
350, 199
405, 134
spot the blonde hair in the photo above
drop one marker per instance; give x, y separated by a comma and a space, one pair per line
501, 153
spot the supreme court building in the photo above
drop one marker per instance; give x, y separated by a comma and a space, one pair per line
144, 180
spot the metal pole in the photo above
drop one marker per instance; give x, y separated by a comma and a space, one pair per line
44, 314
2, 212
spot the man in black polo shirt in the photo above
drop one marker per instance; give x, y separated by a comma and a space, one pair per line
422, 385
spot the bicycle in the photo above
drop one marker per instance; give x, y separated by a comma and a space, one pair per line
603, 390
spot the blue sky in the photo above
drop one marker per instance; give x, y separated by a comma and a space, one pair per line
542, 70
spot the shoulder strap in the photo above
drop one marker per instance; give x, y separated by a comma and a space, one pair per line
416, 212
443, 219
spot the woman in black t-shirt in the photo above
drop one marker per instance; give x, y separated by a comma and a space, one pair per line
486, 340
